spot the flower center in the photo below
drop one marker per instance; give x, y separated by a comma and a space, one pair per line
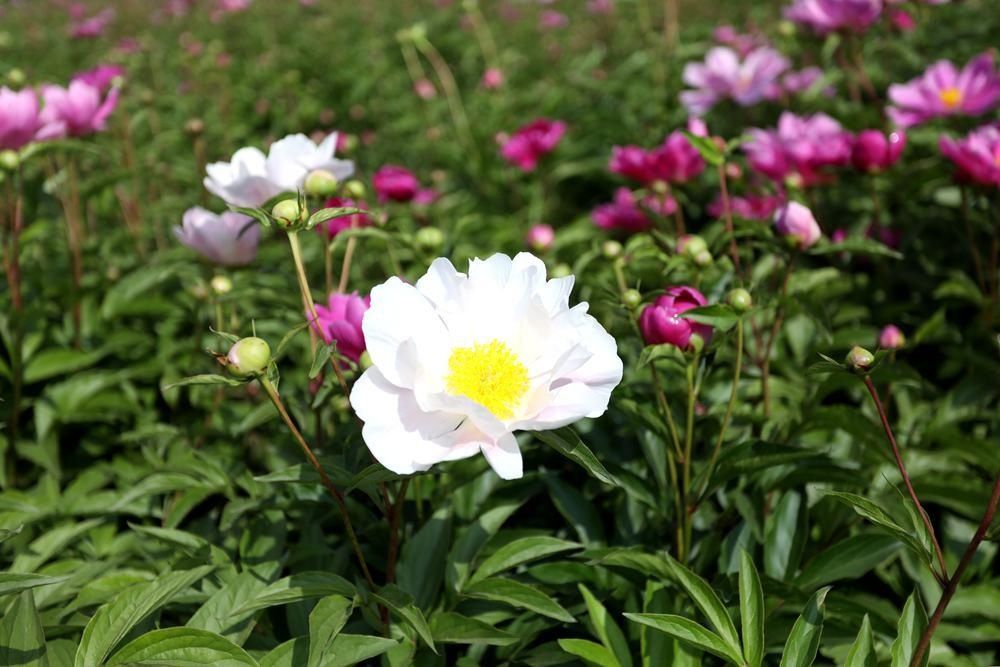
951, 97
490, 374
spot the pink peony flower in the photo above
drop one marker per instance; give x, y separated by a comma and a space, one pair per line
82, 28
902, 20
340, 321
75, 111
797, 223
552, 20
229, 239
749, 207
492, 78
100, 77
395, 183
601, 7
674, 161
875, 151
540, 237
826, 16
742, 43
724, 75
801, 80
425, 197
891, 338
530, 143
801, 145
623, 213
944, 90
334, 226
662, 322
19, 117
976, 156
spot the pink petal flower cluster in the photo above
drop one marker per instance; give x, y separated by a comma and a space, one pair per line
662, 322
674, 161
93, 27
801, 146
530, 143
340, 321
75, 111
749, 206
826, 16
725, 75
101, 77
976, 156
743, 43
19, 121
624, 213
944, 90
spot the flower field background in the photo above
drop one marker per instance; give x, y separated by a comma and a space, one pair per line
429, 332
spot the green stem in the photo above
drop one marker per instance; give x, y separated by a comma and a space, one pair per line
729, 410
692, 396
397, 511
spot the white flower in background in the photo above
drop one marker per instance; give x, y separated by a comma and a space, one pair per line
250, 178
229, 239
461, 362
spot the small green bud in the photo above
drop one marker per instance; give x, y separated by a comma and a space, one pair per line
703, 258
859, 358
288, 213
660, 187
222, 285
321, 183
631, 298
786, 28
365, 361
690, 245
611, 249
739, 299
355, 189
248, 357
561, 271
16, 78
430, 238
697, 343
9, 160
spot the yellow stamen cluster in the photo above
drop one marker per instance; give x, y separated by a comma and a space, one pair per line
951, 97
489, 374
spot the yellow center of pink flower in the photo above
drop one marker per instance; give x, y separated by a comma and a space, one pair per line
490, 374
950, 97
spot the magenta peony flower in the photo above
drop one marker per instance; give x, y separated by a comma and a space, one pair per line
891, 338
976, 156
749, 207
623, 213
75, 111
540, 237
724, 75
797, 223
826, 16
395, 183
801, 80
943, 90
801, 145
675, 161
19, 117
332, 227
229, 239
552, 20
742, 43
425, 197
662, 322
875, 151
81, 28
525, 147
340, 322
902, 20
100, 77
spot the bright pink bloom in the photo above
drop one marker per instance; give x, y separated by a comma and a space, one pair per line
800, 145
724, 75
944, 90
425, 89
662, 322
826, 16
801, 80
232, 6
797, 222
540, 237
100, 77
749, 207
75, 111
395, 183
674, 161
340, 321
229, 239
425, 197
623, 213
552, 20
92, 27
525, 147
19, 118
891, 338
902, 20
334, 226
492, 78
977, 155
743, 43
875, 151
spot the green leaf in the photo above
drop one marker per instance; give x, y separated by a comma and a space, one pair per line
848, 559
856, 245
520, 551
751, 611
15, 582
51, 363
205, 379
399, 601
689, 632
566, 441
708, 602
520, 595
421, 565
114, 620
706, 146
862, 652
343, 651
219, 613
784, 537
803, 642
326, 620
181, 647
876, 515
302, 586
592, 652
22, 640
912, 623
322, 356
718, 315
325, 214
472, 539
452, 628
607, 630
287, 338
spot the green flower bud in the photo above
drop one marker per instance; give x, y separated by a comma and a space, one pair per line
696, 343
703, 258
355, 189
561, 271
691, 245
248, 357
321, 183
631, 298
9, 160
16, 78
222, 285
739, 299
287, 213
365, 361
611, 249
859, 358
430, 238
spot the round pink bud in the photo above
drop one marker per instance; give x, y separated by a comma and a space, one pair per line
540, 237
875, 151
891, 338
797, 223
662, 322
492, 78
395, 183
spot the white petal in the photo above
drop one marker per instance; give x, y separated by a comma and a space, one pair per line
504, 457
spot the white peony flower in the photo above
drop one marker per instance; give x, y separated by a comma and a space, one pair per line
229, 239
250, 178
461, 362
